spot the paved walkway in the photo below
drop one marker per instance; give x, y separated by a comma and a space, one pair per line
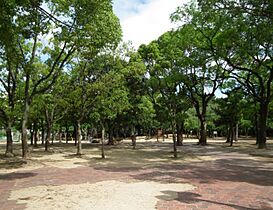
232, 181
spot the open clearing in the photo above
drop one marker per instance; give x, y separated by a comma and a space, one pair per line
211, 177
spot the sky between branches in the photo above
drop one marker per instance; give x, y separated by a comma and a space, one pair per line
145, 20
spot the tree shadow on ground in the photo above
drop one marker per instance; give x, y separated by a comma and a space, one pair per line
234, 170
13, 176
133, 160
193, 198
11, 162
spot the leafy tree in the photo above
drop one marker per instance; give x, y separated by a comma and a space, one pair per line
202, 71
69, 26
245, 44
165, 84
111, 99
134, 74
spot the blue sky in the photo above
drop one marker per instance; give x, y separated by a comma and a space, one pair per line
145, 20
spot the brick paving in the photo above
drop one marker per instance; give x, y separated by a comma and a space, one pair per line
232, 181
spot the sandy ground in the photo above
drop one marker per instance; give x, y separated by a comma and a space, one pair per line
104, 195
63, 156
112, 194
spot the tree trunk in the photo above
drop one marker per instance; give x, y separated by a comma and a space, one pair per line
111, 139
174, 143
60, 134
66, 133
35, 134
232, 134
75, 134
79, 138
25, 150
48, 136
149, 134
9, 147
228, 134
32, 134
102, 142
43, 134
203, 131
256, 127
262, 125
236, 131
179, 129
53, 138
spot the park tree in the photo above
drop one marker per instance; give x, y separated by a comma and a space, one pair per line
111, 99
54, 106
84, 86
10, 67
49, 33
80, 97
137, 114
245, 45
165, 83
229, 110
203, 73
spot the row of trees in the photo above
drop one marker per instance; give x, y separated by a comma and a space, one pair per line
60, 66
223, 45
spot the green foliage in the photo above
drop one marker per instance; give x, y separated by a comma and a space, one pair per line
191, 122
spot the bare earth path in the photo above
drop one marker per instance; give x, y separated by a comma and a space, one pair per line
212, 177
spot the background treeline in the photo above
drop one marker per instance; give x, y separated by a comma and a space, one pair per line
64, 70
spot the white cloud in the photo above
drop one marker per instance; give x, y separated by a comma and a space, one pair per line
143, 21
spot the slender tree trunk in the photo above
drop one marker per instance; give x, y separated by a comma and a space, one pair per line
79, 138
134, 141
174, 143
75, 134
179, 134
53, 138
9, 146
86, 135
232, 134
236, 131
48, 136
43, 134
102, 142
35, 134
25, 150
228, 133
256, 127
32, 134
149, 134
163, 133
111, 139
262, 125
60, 134
203, 131
66, 133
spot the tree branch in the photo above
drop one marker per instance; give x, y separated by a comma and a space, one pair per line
54, 19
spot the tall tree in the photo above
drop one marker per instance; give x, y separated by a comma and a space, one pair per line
111, 99
203, 71
245, 44
50, 32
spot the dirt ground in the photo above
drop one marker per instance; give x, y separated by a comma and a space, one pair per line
145, 178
